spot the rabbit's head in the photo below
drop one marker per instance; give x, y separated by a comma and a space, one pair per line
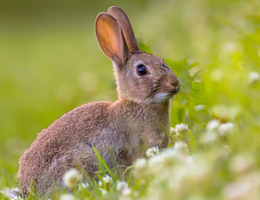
140, 77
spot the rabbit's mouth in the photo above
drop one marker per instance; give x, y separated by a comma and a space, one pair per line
162, 97
171, 94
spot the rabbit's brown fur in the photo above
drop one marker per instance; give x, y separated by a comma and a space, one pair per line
121, 131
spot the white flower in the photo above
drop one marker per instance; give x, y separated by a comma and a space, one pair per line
200, 169
72, 177
199, 107
213, 125
181, 147
187, 174
166, 158
126, 191
121, 185
103, 191
226, 128
172, 131
106, 180
208, 137
140, 163
83, 186
253, 77
169, 154
152, 151
67, 197
172, 155
100, 183
155, 164
155, 160
241, 164
181, 128
173, 134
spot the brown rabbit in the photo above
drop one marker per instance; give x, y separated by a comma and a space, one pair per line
121, 131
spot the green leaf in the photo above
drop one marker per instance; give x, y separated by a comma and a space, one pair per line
101, 162
193, 65
196, 74
143, 46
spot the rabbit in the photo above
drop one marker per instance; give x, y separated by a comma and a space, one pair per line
121, 131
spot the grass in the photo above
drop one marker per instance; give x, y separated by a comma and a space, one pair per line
46, 72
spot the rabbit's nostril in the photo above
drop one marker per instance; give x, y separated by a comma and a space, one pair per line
175, 83
178, 87
175, 87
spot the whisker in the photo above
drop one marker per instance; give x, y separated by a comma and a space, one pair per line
186, 94
183, 96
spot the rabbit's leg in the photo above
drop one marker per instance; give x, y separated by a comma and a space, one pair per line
81, 157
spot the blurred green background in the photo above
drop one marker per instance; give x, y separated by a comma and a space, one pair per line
50, 61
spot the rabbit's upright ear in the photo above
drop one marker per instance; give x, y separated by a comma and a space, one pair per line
111, 39
126, 27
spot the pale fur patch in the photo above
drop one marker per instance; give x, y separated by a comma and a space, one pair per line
160, 97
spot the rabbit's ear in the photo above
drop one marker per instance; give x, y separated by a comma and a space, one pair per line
111, 39
126, 27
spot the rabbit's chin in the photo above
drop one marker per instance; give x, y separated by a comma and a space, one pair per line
161, 97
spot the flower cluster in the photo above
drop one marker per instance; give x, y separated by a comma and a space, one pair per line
152, 151
123, 188
107, 180
214, 129
178, 132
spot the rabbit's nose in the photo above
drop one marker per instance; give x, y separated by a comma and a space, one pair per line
175, 83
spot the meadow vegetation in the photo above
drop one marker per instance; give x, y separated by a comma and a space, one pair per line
50, 63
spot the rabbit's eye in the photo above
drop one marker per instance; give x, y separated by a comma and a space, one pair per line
141, 70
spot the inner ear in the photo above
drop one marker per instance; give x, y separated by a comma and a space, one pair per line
126, 27
111, 39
